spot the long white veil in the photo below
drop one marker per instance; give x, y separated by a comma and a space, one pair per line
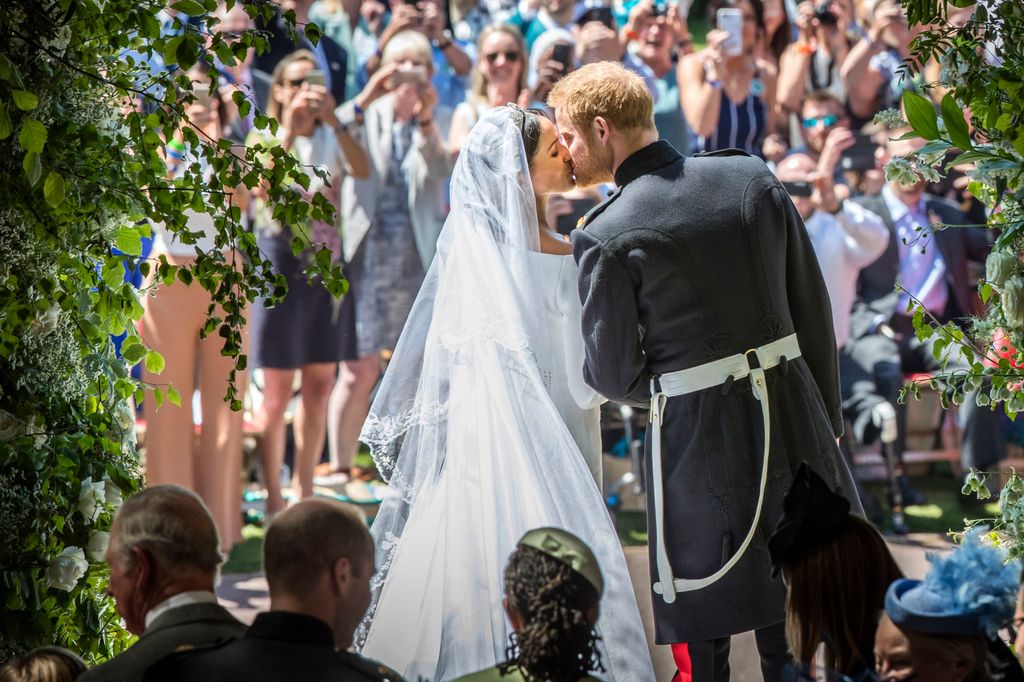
471, 444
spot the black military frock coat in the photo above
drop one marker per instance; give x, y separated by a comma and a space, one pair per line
691, 260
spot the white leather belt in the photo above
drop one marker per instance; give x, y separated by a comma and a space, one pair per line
690, 381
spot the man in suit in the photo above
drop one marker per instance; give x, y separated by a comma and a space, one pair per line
163, 555
318, 556
931, 266
702, 298
331, 57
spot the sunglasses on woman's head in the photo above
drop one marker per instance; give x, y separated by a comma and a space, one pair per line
829, 121
492, 57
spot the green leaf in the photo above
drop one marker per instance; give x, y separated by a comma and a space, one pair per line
54, 191
9, 72
33, 166
24, 100
173, 397
5, 122
170, 49
32, 137
189, 7
132, 350
956, 124
154, 362
128, 241
313, 33
921, 115
158, 396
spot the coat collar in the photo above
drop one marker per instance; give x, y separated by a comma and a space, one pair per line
299, 628
652, 157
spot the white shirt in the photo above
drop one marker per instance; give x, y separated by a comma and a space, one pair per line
845, 243
180, 599
923, 275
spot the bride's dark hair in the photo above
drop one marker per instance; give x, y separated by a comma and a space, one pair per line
558, 642
528, 123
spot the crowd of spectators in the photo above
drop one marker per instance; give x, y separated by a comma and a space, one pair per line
383, 102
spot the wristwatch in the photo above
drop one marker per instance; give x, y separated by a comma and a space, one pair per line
445, 41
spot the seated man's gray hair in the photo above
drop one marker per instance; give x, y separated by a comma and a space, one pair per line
172, 524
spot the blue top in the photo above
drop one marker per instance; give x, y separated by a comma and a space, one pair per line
740, 126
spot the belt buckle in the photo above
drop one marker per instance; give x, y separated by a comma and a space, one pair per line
746, 356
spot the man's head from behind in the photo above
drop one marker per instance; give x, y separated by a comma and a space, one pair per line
162, 542
318, 556
603, 111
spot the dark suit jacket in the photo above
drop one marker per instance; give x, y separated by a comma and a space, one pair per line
691, 260
279, 646
281, 46
185, 627
876, 297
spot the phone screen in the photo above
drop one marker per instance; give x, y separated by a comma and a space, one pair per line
861, 156
316, 77
730, 20
562, 53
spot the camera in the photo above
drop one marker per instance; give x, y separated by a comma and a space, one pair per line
825, 15
798, 188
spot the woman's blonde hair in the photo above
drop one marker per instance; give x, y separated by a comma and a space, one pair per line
478, 91
45, 664
407, 42
274, 107
605, 89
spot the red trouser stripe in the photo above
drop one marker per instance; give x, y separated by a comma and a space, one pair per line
681, 654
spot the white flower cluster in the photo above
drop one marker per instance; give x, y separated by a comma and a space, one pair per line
910, 170
890, 118
94, 494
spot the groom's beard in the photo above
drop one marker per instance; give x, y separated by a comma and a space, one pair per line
596, 168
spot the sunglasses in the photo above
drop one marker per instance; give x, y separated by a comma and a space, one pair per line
829, 121
511, 57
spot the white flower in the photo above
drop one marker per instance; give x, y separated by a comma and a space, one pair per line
928, 173
124, 416
1013, 302
90, 497
10, 427
45, 324
112, 494
890, 118
67, 569
902, 171
97, 547
999, 266
39, 441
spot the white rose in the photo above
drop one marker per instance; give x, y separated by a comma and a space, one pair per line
97, 547
45, 324
10, 427
112, 494
90, 497
67, 569
124, 416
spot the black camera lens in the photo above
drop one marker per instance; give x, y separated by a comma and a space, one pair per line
825, 15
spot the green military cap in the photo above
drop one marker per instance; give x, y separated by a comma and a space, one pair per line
570, 550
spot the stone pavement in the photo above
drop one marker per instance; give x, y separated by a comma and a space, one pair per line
246, 595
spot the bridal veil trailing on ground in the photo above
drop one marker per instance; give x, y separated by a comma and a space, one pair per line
472, 447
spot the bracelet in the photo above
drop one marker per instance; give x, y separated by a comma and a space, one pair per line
685, 42
424, 122
443, 45
715, 84
804, 49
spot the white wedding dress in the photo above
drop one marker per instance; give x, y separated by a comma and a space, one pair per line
484, 430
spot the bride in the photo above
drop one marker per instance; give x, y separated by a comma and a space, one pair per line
483, 426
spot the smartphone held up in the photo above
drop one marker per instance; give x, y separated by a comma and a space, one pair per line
730, 20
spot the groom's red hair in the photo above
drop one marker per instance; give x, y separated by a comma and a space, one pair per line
606, 89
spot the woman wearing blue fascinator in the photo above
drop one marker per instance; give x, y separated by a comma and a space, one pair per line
946, 627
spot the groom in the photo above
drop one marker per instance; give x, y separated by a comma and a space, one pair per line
702, 298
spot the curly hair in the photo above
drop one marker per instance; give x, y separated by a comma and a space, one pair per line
558, 642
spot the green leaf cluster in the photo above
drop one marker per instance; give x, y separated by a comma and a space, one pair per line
83, 125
